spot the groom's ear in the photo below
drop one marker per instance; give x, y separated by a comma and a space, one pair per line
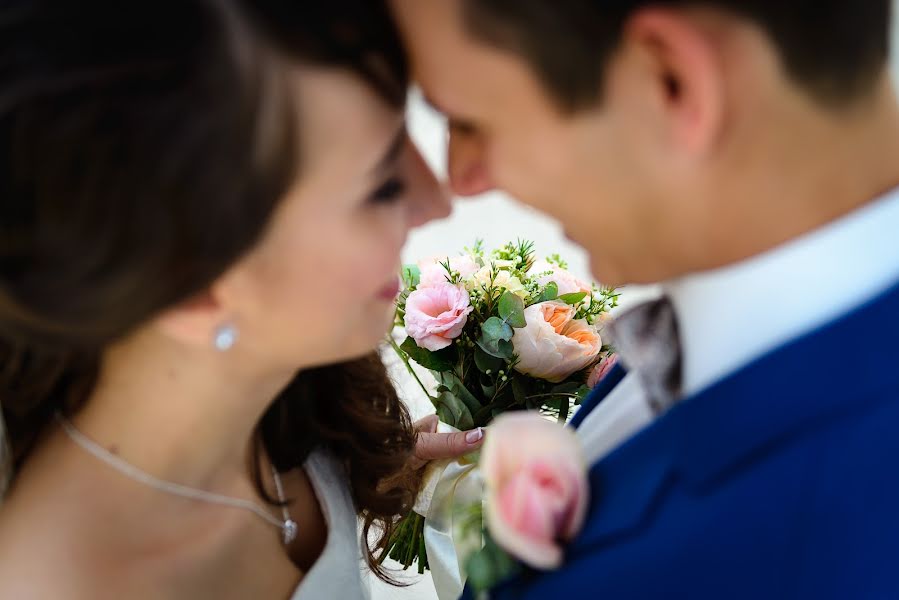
678, 74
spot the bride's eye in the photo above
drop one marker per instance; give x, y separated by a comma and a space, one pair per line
388, 192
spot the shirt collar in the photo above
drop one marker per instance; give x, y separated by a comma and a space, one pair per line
730, 316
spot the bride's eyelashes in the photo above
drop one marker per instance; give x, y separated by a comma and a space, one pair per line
388, 192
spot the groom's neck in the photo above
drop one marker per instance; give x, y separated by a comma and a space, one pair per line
806, 170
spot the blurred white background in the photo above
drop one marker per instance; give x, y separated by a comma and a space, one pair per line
496, 219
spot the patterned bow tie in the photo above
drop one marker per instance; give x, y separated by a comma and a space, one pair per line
647, 342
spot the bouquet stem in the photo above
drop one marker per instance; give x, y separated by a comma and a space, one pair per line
407, 543
405, 358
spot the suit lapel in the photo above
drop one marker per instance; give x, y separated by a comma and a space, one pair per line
720, 430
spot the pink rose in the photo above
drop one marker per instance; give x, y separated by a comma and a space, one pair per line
553, 345
601, 369
436, 315
536, 493
433, 273
567, 283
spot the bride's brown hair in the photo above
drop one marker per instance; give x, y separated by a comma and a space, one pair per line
138, 161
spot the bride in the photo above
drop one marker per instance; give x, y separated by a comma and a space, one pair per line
203, 206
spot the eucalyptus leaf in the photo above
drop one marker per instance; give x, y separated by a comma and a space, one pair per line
495, 329
441, 360
499, 349
485, 362
506, 349
511, 309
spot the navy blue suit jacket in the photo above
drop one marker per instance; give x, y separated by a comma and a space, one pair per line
780, 481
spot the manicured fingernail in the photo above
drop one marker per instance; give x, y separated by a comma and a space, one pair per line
474, 435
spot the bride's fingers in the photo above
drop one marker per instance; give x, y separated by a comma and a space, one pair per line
427, 424
435, 446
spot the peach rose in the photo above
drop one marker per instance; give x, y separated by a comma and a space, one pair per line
553, 345
436, 315
536, 493
567, 283
601, 369
432, 272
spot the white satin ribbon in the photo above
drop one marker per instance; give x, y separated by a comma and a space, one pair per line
449, 486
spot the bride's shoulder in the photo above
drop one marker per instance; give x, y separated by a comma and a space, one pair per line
32, 564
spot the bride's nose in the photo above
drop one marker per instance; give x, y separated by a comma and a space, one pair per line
429, 200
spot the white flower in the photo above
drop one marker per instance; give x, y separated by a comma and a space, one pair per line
503, 280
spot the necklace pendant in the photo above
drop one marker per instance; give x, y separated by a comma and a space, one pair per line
289, 531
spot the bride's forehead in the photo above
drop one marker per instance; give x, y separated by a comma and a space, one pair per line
339, 118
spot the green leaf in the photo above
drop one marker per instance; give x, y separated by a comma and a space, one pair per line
582, 392
486, 362
511, 310
453, 411
441, 360
495, 329
506, 349
496, 338
483, 416
411, 275
553, 402
460, 391
550, 292
518, 392
573, 298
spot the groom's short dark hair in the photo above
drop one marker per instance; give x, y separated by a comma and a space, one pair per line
834, 49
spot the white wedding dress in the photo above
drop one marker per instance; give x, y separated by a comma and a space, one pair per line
338, 573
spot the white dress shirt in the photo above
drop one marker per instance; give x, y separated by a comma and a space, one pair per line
730, 316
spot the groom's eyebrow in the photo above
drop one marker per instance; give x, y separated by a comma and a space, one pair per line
393, 151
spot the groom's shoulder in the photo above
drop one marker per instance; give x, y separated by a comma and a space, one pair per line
778, 482
813, 515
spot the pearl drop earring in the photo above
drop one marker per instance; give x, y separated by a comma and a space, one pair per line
225, 337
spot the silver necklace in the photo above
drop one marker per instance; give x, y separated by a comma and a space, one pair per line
287, 525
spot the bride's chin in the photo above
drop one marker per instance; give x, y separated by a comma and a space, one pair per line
368, 337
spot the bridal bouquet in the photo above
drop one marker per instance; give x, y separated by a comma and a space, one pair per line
500, 331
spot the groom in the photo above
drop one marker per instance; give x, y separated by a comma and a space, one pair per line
745, 154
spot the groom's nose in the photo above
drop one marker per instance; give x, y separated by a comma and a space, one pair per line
466, 163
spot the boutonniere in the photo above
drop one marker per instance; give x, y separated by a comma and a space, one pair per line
535, 500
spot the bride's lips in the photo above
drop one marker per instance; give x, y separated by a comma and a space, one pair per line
389, 292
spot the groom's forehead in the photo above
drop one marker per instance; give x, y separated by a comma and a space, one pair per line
431, 28
447, 60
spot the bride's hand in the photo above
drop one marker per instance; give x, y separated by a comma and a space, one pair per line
434, 446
